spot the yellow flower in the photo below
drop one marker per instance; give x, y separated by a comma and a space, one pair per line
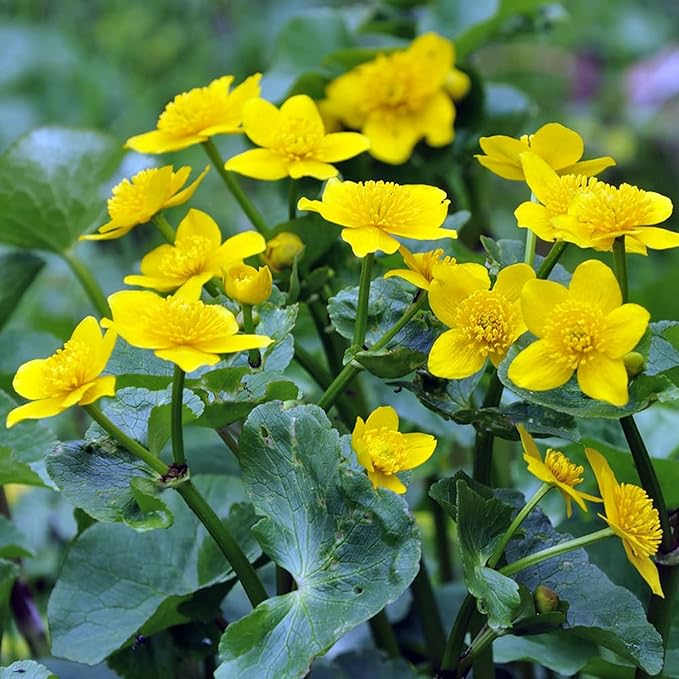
484, 323
281, 251
136, 201
195, 116
556, 470
632, 517
422, 265
179, 328
70, 376
373, 212
399, 98
585, 328
560, 147
596, 218
198, 254
556, 193
248, 285
294, 142
385, 452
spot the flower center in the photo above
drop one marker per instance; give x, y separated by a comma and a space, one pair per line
188, 258
429, 260
573, 332
487, 320
565, 189
66, 370
386, 449
131, 200
180, 322
562, 468
299, 137
638, 519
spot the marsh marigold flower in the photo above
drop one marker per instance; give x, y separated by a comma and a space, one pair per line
373, 212
194, 116
632, 517
602, 214
281, 251
70, 376
135, 201
247, 285
483, 322
560, 147
293, 140
179, 328
583, 328
556, 470
198, 254
401, 97
384, 451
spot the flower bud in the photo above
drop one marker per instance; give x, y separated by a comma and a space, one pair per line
634, 363
545, 599
248, 285
281, 250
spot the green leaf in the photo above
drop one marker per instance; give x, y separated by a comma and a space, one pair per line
28, 444
606, 614
229, 394
13, 543
108, 483
50, 186
26, 669
17, 271
390, 363
481, 523
350, 549
135, 367
115, 580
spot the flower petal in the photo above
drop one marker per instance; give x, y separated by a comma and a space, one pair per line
528, 443
369, 239
538, 299
436, 120
340, 146
102, 386
301, 107
36, 410
183, 196
239, 247
624, 327
234, 343
198, 224
454, 357
259, 164
311, 168
646, 569
29, 380
392, 138
502, 155
535, 368
540, 176
605, 379
558, 145
511, 280
450, 286
537, 218
420, 448
187, 358
605, 480
656, 238
588, 168
388, 481
413, 277
261, 122
594, 283
384, 416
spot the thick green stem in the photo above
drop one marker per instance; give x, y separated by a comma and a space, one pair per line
514, 526
620, 260
176, 417
552, 257
555, 550
237, 192
441, 537
455, 641
89, 283
383, 634
428, 612
229, 441
164, 227
483, 446
292, 198
529, 252
363, 297
482, 641
254, 357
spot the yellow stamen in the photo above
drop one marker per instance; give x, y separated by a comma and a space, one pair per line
386, 449
487, 319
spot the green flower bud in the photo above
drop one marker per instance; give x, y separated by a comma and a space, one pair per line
545, 599
634, 363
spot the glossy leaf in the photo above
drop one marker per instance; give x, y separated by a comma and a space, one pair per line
17, 271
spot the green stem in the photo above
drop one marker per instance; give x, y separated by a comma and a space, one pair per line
442, 538
417, 304
383, 634
550, 260
132, 446
229, 441
428, 612
514, 526
483, 446
555, 550
89, 283
457, 633
333, 344
176, 417
363, 297
292, 198
620, 260
254, 357
484, 638
529, 253
237, 192
164, 227
311, 365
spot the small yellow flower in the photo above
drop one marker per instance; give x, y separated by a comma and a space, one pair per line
602, 214
281, 251
195, 116
556, 470
135, 201
484, 323
385, 452
373, 212
585, 328
293, 140
560, 147
247, 285
198, 254
632, 517
556, 193
70, 376
179, 328
422, 265
399, 98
